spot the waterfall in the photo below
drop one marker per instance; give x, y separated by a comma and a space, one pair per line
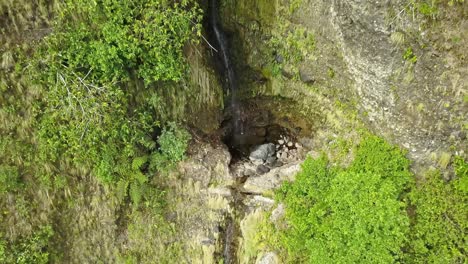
228, 67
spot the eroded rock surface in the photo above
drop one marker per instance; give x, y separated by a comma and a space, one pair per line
395, 68
271, 180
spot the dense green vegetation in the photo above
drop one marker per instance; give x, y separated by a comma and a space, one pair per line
98, 48
110, 40
440, 221
87, 100
88, 144
32, 249
352, 215
371, 212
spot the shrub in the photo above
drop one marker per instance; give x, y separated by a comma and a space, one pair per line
352, 215
108, 40
173, 143
32, 249
441, 221
94, 114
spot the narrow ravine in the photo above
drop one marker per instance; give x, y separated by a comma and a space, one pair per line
253, 138
232, 223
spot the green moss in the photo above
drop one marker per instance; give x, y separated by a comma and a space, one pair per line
272, 69
331, 73
410, 56
444, 160
251, 244
263, 11
294, 5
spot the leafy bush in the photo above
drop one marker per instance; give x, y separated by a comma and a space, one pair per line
111, 39
32, 249
173, 143
352, 215
93, 115
441, 221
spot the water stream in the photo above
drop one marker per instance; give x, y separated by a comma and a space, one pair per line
228, 67
231, 228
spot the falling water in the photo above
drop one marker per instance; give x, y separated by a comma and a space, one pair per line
223, 50
229, 255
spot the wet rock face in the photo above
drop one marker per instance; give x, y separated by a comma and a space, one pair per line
264, 120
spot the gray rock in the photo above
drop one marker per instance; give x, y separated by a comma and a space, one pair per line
250, 166
271, 160
277, 214
268, 258
259, 202
262, 169
257, 162
459, 135
279, 58
306, 77
284, 155
263, 152
271, 180
208, 163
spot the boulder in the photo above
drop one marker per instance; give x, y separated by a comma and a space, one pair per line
306, 78
263, 152
271, 180
268, 258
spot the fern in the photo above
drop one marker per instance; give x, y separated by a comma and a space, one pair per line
139, 177
136, 193
121, 189
138, 162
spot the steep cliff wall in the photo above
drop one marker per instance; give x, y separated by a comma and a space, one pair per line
399, 65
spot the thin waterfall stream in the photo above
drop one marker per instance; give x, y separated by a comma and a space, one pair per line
228, 67
231, 231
